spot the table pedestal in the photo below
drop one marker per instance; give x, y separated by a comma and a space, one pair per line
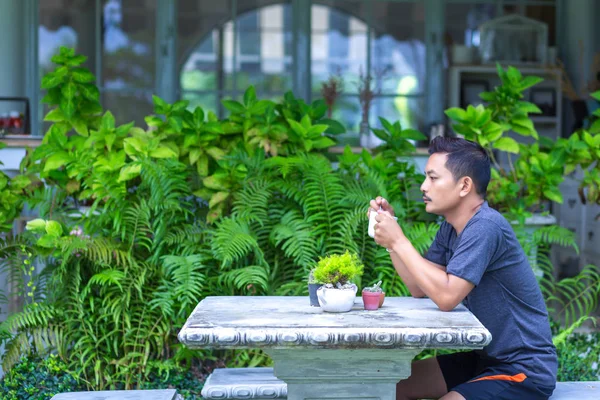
319, 374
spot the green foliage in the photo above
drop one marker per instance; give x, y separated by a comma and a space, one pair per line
192, 207
338, 269
37, 378
534, 178
11, 197
579, 357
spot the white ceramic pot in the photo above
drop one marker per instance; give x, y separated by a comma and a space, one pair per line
336, 300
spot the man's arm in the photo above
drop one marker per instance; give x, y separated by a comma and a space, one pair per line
407, 277
445, 290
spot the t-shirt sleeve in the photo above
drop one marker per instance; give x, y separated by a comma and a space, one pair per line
478, 248
438, 250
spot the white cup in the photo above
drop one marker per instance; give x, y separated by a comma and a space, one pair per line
372, 222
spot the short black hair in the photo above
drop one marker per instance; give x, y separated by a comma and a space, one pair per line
465, 158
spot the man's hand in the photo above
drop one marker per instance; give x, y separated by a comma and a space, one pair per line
380, 202
387, 231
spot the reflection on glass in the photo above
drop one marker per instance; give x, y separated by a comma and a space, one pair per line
261, 55
127, 107
406, 110
398, 48
63, 23
207, 101
338, 47
347, 111
128, 45
463, 21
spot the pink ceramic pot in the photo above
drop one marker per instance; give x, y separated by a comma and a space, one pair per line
371, 300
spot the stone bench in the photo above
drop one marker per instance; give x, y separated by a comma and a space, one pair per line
244, 383
260, 383
168, 394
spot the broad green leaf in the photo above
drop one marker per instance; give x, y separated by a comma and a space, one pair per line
386, 124
507, 144
37, 225
90, 91
52, 97
82, 75
217, 198
163, 152
413, 134
194, 155
80, 126
306, 122
53, 228
159, 104
316, 130
110, 139
51, 80
76, 60
198, 117
55, 115
323, 142
229, 128
487, 96
335, 127
381, 134
108, 121
483, 118
215, 182
234, 106
176, 123
129, 172
56, 161
261, 107
180, 105
202, 165
595, 128
47, 241
215, 153
67, 105
530, 81
527, 107
69, 89
456, 114
153, 120
553, 194
513, 74
212, 117
298, 129
250, 97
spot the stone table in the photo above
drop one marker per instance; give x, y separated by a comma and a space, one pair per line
356, 355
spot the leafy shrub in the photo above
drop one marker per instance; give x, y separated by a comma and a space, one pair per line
36, 378
579, 358
338, 268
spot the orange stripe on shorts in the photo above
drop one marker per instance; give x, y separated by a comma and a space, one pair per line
514, 378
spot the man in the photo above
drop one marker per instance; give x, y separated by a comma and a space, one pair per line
475, 259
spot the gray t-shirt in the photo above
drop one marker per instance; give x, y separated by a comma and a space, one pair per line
506, 297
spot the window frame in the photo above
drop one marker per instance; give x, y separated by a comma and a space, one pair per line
167, 80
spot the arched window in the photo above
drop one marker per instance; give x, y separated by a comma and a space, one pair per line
255, 50
220, 56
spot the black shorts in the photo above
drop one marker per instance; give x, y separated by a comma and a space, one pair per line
476, 378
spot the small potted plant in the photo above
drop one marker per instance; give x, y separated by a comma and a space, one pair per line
313, 286
373, 296
336, 272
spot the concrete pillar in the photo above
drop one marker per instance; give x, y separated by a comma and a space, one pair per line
577, 42
12, 48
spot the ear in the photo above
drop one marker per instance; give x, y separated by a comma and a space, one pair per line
466, 186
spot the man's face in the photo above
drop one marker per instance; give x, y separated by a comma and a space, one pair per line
440, 191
